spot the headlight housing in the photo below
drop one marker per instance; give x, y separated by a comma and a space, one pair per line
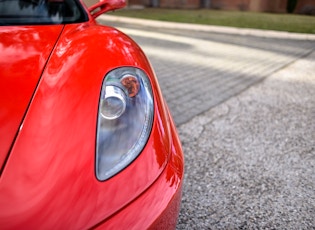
125, 120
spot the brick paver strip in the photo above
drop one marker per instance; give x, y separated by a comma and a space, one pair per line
199, 69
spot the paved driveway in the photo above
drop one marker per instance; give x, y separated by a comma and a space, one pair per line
198, 70
245, 111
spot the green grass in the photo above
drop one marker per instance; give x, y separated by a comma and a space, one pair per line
241, 19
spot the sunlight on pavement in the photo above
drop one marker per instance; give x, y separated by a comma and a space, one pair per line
207, 53
197, 73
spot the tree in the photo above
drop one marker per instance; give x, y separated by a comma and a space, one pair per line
291, 4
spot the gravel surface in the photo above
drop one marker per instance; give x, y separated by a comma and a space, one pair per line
250, 161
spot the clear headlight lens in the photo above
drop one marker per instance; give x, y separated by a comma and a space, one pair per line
124, 121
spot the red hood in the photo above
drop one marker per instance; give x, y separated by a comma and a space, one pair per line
24, 51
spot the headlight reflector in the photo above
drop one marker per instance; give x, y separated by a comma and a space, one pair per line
124, 121
114, 103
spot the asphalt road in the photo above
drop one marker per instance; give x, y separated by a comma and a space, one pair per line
245, 110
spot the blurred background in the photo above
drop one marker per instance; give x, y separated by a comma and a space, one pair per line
275, 6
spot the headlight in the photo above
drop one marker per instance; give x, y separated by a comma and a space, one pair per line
124, 120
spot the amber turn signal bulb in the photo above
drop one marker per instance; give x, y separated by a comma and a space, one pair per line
131, 84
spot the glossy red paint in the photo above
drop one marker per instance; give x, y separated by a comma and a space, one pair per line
49, 182
24, 51
159, 204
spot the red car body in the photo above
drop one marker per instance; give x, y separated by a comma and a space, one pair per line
50, 82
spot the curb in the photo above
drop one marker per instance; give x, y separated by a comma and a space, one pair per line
208, 28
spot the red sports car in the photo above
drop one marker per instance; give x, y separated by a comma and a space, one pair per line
86, 138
